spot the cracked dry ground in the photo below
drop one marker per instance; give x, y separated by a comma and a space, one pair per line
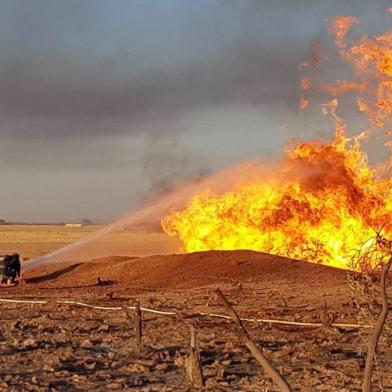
57, 347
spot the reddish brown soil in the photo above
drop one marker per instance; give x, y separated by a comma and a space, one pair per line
71, 348
183, 270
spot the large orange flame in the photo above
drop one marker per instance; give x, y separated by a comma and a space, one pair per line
323, 200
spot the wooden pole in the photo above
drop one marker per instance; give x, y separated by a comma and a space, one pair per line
138, 327
194, 370
373, 342
327, 318
252, 346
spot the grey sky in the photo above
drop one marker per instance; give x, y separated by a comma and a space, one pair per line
103, 101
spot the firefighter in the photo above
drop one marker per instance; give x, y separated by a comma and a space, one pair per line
10, 268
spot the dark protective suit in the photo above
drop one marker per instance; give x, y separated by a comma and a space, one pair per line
10, 268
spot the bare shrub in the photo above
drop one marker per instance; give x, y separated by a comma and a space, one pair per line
367, 282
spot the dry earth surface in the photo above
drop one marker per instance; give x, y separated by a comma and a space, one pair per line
62, 347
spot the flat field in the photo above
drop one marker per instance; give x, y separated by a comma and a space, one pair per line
32, 241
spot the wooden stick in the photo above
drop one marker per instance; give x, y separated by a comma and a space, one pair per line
326, 319
138, 327
193, 337
194, 370
373, 342
252, 346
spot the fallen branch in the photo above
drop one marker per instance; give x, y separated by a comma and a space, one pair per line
68, 302
373, 342
284, 322
23, 301
252, 347
285, 305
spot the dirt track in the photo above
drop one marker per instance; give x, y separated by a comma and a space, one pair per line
63, 347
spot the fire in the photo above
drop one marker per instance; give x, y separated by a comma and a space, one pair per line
305, 84
340, 26
303, 104
322, 205
372, 62
323, 200
343, 86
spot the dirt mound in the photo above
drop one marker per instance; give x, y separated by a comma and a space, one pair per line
184, 270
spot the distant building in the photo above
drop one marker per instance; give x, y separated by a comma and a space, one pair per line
73, 225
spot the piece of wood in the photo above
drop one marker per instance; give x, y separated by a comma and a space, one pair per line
252, 346
194, 370
373, 341
138, 327
327, 317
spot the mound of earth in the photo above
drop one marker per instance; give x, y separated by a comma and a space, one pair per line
184, 271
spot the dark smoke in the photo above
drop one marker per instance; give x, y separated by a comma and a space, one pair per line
166, 164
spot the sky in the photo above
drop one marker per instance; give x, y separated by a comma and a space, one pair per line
104, 103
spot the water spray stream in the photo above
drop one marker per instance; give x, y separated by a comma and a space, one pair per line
156, 209
117, 225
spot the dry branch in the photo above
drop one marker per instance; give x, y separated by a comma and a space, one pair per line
194, 370
373, 342
252, 346
138, 327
